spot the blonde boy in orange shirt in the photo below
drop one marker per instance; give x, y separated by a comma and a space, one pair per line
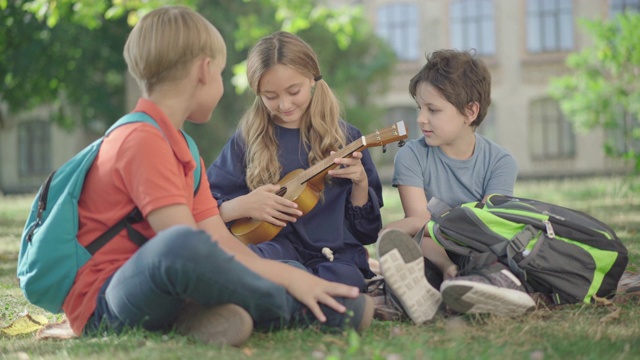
192, 273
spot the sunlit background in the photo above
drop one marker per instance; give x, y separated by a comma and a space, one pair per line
64, 80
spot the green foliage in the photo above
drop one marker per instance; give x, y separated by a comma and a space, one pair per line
91, 13
58, 65
69, 53
602, 90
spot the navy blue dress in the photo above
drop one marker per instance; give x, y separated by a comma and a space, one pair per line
334, 222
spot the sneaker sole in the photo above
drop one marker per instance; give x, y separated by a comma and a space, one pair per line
227, 324
471, 297
367, 314
403, 270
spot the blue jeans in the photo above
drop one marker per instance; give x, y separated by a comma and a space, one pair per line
183, 264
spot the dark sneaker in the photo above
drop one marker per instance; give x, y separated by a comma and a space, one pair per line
227, 324
492, 289
361, 313
358, 316
402, 266
387, 307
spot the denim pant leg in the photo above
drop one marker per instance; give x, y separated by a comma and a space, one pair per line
345, 273
182, 263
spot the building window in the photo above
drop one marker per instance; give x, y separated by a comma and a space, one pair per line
398, 25
623, 137
472, 26
549, 25
620, 6
34, 143
408, 114
551, 135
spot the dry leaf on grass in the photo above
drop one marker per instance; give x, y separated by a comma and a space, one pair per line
613, 315
600, 301
25, 324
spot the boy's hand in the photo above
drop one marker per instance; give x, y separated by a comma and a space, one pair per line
312, 290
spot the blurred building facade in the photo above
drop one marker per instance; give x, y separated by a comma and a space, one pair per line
524, 43
32, 146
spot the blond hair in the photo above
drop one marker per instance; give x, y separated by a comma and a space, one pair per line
321, 129
166, 41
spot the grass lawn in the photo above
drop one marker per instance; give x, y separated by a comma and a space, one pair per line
572, 332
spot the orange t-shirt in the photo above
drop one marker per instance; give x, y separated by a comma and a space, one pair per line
137, 166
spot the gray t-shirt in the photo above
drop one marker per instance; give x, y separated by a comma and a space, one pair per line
490, 170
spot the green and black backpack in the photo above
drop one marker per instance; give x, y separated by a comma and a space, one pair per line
564, 253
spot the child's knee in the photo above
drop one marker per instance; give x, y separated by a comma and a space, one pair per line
180, 242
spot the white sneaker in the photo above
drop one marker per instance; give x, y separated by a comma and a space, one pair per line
402, 266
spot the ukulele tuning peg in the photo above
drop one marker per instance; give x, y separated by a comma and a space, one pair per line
401, 143
384, 149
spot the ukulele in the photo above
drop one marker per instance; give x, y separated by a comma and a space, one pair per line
305, 186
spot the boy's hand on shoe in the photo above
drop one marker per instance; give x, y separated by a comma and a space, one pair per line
312, 291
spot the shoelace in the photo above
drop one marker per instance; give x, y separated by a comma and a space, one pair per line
379, 285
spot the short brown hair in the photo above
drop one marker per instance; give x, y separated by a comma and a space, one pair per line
460, 77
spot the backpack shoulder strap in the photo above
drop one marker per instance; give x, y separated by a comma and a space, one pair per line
132, 118
143, 117
197, 172
135, 216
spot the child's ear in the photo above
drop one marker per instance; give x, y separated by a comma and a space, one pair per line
472, 110
203, 68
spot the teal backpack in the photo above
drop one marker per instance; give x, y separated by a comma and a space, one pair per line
563, 253
50, 254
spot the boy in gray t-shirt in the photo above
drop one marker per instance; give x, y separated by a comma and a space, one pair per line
453, 164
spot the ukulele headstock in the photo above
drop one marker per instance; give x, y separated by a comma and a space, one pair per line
393, 133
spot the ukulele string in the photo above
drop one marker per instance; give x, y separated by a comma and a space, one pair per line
322, 165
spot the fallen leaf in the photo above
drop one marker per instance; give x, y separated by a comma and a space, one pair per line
614, 315
25, 324
601, 301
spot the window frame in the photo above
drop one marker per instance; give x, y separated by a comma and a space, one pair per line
34, 147
401, 32
541, 14
545, 114
473, 28
620, 6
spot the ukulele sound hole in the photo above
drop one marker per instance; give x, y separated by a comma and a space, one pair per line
281, 191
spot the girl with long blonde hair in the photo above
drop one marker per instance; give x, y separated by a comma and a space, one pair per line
294, 123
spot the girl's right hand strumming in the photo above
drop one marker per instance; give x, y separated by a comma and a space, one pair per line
264, 204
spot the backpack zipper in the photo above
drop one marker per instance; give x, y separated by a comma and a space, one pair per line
550, 233
42, 206
553, 215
